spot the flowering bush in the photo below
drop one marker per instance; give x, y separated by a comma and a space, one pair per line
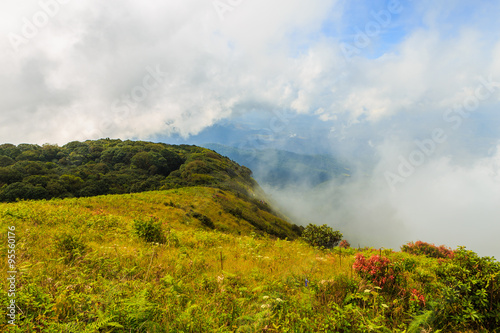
417, 297
377, 269
344, 244
428, 250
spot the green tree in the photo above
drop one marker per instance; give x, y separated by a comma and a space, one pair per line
22, 191
322, 236
72, 183
6, 161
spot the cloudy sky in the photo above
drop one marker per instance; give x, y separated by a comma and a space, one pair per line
414, 83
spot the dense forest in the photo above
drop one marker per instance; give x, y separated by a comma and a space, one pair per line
106, 166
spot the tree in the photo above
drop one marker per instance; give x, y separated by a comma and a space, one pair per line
25, 191
72, 183
322, 236
6, 161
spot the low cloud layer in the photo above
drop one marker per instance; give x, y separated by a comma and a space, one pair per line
441, 203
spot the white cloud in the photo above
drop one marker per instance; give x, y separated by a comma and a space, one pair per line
88, 55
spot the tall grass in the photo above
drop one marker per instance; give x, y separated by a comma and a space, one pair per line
83, 267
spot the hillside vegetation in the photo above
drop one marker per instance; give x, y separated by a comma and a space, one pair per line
82, 169
216, 258
83, 266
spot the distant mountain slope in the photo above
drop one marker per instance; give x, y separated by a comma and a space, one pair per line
280, 168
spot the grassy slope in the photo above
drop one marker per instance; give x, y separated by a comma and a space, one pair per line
200, 280
114, 255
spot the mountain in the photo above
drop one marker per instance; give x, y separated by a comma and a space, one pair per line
103, 167
205, 253
279, 168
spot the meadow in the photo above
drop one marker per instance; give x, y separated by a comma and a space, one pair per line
83, 266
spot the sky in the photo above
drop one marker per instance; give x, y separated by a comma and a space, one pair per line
410, 90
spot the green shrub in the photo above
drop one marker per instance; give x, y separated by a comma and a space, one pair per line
205, 220
237, 212
322, 236
70, 245
470, 292
150, 230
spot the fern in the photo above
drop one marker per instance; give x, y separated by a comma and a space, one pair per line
102, 321
422, 320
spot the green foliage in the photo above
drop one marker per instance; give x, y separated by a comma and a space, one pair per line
204, 280
71, 246
321, 236
92, 168
470, 292
229, 279
150, 230
205, 220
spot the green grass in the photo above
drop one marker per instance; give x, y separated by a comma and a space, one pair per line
84, 268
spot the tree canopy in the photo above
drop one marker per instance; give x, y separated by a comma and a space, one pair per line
106, 166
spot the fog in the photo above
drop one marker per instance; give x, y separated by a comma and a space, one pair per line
442, 202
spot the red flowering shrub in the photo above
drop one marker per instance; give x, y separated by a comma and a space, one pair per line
428, 250
417, 297
344, 244
377, 269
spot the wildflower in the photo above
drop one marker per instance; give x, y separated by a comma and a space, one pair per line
307, 282
279, 300
265, 297
264, 306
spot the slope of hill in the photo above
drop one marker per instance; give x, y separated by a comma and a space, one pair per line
91, 265
90, 168
280, 168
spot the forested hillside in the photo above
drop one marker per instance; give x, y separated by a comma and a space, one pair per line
83, 169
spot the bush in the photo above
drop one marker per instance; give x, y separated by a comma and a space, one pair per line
205, 220
376, 269
236, 212
470, 292
70, 245
428, 250
322, 236
344, 244
150, 230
